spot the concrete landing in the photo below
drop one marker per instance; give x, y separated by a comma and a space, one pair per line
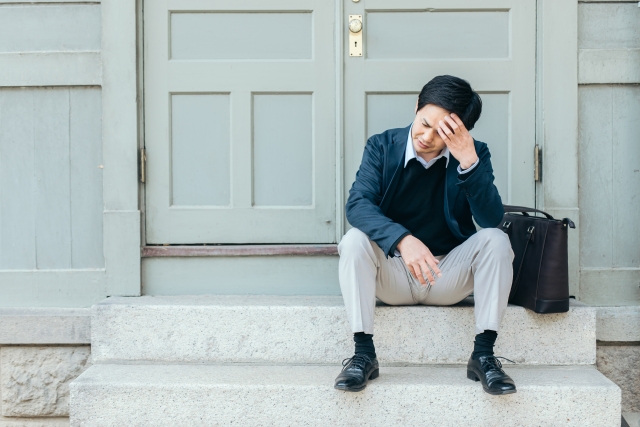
283, 330
215, 395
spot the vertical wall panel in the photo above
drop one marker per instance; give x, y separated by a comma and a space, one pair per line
52, 181
626, 175
200, 147
17, 224
86, 178
282, 150
596, 173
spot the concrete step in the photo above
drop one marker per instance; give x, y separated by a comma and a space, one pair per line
281, 330
215, 395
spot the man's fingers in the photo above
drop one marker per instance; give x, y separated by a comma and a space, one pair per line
455, 117
444, 137
412, 271
445, 128
427, 272
452, 123
434, 267
415, 272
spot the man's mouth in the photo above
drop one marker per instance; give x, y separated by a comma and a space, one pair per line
421, 145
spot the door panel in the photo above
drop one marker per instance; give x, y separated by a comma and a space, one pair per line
240, 121
489, 43
417, 35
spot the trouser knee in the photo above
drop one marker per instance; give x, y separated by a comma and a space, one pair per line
497, 243
354, 243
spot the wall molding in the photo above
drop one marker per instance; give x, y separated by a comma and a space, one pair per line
50, 69
45, 326
30, 2
52, 288
618, 324
610, 286
607, 66
120, 147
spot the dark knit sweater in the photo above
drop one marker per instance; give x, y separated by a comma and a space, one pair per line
418, 205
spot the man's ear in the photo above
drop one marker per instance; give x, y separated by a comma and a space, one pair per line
416, 112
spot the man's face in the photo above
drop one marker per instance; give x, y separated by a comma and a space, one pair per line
424, 132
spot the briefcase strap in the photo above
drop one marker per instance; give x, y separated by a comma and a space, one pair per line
516, 282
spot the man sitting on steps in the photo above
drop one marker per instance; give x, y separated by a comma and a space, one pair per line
412, 207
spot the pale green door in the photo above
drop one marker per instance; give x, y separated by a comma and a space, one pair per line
240, 121
242, 101
490, 43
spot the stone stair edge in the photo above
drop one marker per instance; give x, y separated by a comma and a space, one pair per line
288, 301
139, 373
163, 395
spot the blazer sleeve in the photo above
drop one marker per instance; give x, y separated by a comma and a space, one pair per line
482, 194
363, 211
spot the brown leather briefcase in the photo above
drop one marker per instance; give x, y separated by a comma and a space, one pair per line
540, 266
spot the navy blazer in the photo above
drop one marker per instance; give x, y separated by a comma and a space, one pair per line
467, 196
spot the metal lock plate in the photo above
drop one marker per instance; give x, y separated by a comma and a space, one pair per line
355, 35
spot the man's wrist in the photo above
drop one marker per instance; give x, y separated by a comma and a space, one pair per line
400, 239
467, 163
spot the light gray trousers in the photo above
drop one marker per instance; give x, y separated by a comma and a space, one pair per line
482, 265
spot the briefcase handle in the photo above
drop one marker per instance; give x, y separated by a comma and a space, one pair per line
523, 210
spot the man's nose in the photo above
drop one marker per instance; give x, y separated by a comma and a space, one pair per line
428, 135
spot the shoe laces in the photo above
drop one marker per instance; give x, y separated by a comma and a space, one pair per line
358, 361
494, 363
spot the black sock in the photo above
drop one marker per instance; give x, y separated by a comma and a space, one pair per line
364, 344
483, 345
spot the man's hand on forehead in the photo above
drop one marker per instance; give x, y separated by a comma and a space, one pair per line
457, 138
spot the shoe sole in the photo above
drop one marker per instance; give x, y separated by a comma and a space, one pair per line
372, 376
473, 377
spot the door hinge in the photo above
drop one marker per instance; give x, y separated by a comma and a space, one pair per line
143, 166
537, 162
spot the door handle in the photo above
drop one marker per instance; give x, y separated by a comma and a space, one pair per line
355, 35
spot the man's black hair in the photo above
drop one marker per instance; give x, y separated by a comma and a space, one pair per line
454, 95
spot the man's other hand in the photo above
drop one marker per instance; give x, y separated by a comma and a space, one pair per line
460, 142
419, 259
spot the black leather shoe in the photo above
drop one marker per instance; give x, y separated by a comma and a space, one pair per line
488, 370
356, 371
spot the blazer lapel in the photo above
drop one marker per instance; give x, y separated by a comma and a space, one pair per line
395, 162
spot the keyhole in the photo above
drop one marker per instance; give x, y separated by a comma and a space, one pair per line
356, 44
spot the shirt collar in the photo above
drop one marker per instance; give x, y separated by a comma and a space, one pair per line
410, 153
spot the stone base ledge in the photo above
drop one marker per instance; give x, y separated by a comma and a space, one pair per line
618, 324
34, 422
45, 326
